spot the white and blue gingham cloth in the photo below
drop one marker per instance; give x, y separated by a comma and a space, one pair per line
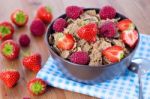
123, 87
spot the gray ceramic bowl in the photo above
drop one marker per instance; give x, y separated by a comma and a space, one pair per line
85, 73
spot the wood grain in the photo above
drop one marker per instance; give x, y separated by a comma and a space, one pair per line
137, 10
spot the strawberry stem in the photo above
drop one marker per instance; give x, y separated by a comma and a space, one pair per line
37, 88
8, 49
4, 30
20, 17
48, 9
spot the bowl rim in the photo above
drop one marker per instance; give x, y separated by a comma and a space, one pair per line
79, 65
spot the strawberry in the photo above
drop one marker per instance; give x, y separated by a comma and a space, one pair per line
130, 37
113, 54
19, 17
64, 41
125, 24
10, 77
88, 32
32, 62
36, 86
44, 13
6, 30
10, 49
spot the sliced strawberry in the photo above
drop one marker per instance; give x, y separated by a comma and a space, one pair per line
125, 24
64, 41
6, 30
129, 37
88, 32
9, 77
113, 54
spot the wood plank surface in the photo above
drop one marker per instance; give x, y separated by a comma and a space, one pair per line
136, 10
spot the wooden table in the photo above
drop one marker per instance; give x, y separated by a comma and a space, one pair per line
137, 10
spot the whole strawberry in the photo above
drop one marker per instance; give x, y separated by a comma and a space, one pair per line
32, 62
10, 49
19, 17
36, 86
10, 77
73, 12
88, 32
6, 30
44, 13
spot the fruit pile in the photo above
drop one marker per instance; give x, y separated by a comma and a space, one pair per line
10, 49
88, 37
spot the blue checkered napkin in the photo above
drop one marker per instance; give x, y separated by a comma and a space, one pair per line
146, 86
144, 52
124, 87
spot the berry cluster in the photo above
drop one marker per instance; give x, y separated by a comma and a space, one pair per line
10, 49
108, 26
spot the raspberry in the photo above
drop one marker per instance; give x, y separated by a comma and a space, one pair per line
37, 27
59, 25
108, 29
107, 12
24, 40
73, 12
80, 58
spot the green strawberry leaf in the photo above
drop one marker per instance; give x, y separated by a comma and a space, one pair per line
8, 49
20, 17
37, 88
48, 9
4, 30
